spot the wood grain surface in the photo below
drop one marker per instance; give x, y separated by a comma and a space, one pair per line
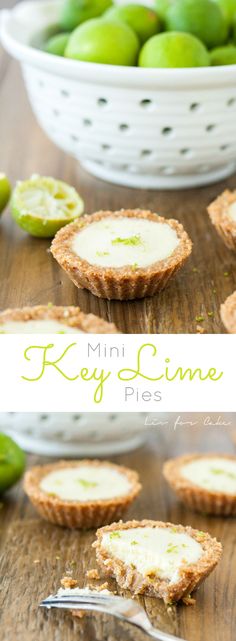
35, 555
29, 275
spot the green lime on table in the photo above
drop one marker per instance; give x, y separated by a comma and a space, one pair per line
105, 42
202, 18
12, 462
229, 9
5, 191
174, 50
223, 55
141, 19
41, 205
74, 12
57, 44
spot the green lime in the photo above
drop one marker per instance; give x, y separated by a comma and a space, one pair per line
162, 7
57, 44
104, 41
74, 12
223, 55
12, 462
41, 206
202, 18
174, 50
5, 191
141, 19
229, 9
234, 28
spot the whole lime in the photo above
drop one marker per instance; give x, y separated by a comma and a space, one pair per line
12, 462
174, 50
104, 41
202, 18
223, 55
141, 19
162, 7
57, 44
5, 191
74, 12
229, 9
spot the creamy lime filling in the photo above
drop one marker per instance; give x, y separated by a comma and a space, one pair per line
154, 551
117, 242
40, 326
86, 483
232, 211
217, 474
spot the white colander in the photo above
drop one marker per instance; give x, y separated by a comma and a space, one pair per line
69, 435
150, 128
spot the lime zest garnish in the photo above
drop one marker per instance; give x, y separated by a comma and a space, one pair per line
115, 535
133, 241
134, 542
171, 548
200, 533
216, 470
100, 254
134, 266
86, 484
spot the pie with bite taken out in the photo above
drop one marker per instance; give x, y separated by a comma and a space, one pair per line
122, 255
156, 559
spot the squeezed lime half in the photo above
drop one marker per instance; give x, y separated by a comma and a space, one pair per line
12, 462
5, 191
41, 205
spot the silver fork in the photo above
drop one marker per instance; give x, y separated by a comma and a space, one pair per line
127, 610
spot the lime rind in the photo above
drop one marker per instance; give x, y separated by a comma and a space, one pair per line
5, 191
42, 205
12, 463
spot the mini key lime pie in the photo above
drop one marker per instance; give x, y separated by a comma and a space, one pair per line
228, 313
81, 494
49, 319
122, 255
222, 212
156, 559
205, 483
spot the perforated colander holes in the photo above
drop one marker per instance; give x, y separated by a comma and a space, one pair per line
124, 127
211, 127
231, 102
147, 103
168, 132
102, 102
195, 106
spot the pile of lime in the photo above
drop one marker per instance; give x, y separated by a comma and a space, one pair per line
174, 33
12, 463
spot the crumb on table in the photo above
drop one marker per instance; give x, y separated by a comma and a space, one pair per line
80, 614
188, 600
93, 574
200, 329
68, 582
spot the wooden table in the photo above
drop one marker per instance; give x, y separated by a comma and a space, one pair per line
29, 275
35, 555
